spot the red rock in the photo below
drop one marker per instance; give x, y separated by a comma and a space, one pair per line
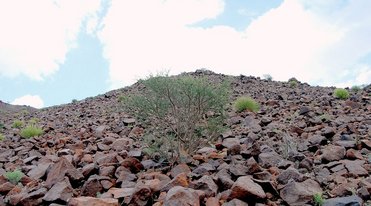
6, 187
333, 153
133, 164
245, 187
141, 195
179, 180
212, 201
91, 187
91, 201
206, 184
295, 193
181, 168
59, 170
60, 191
181, 196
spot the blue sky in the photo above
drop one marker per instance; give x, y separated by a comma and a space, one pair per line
54, 51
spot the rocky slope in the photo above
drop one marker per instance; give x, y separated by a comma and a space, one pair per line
302, 142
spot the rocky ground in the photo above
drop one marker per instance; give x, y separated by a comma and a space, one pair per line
302, 142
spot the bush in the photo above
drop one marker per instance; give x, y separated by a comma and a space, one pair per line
18, 124
318, 199
341, 93
2, 126
356, 88
31, 131
267, 77
14, 177
246, 103
293, 83
185, 113
74, 101
2, 137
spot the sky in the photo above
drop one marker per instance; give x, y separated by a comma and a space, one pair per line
55, 51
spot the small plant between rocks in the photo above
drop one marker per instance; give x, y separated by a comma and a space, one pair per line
18, 124
246, 103
14, 176
2, 137
186, 113
341, 93
31, 131
318, 199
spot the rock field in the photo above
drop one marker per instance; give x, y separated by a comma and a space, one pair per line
302, 142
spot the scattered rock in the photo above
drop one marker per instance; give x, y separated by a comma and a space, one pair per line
181, 196
300, 193
83, 201
245, 187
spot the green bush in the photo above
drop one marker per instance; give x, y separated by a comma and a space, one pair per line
2, 126
31, 131
18, 124
2, 137
268, 77
246, 103
293, 83
356, 88
14, 177
186, 113
74, 101
341, 93
318, 199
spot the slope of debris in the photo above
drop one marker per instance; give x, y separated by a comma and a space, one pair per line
302, 143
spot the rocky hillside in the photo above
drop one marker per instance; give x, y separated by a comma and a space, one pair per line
303, 144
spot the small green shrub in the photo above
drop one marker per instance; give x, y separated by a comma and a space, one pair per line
318, 199
2, 126
2, 137
356, 88
293, 83
341, 93
18, 124
185, 113
268, 77
74, 101
246, 103
31, 131
14, 177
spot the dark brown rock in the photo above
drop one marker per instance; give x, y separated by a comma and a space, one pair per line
181, 196
60, 191
245, 187
61, 169
84, 201
91, 187
297, 194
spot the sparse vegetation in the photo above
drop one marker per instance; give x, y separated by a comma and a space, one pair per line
14, 176
186, 113
268, 77
293, 83
318, 199
74, 101
246, 103
356, 88
18, 124
2, 137
341, 93
2, 126
31, 131
325, 117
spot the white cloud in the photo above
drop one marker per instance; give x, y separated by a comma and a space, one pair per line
30, 100
297, 38
36, 35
